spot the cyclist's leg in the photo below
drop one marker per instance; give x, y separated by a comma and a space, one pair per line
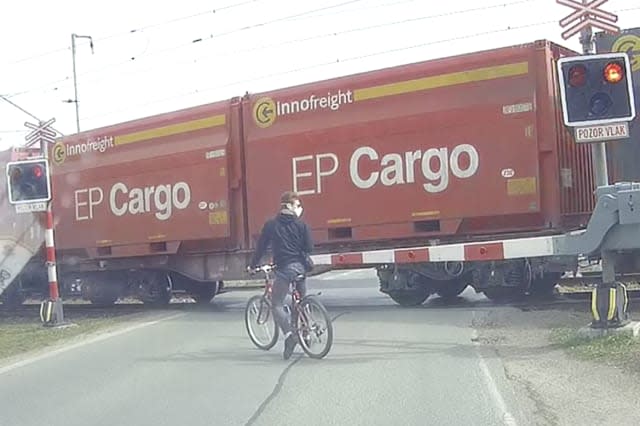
279, 293
301, 286
283, 278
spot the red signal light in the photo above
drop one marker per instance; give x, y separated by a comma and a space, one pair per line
37, 171
577, 75
613, 72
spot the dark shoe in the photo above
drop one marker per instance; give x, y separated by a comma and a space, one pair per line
289, 346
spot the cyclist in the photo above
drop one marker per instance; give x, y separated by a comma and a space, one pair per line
291, 244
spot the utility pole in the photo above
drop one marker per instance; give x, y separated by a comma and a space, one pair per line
75, 78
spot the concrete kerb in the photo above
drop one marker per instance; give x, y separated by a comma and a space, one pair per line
631, 329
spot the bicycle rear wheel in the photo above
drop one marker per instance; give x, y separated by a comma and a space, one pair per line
314, 325
258, 318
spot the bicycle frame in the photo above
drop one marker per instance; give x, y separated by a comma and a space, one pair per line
293, 290
300, 319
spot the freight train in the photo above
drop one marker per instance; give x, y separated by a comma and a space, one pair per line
404, 169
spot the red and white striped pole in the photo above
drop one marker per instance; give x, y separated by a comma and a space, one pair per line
54, 293
51, 311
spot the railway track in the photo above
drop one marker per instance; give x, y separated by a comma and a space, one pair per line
83, 309
571, 290
591, 278
89, 310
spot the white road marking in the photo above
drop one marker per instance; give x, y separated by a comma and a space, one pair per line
507, 417
96, 339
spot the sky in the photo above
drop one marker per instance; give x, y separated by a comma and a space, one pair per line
148, 59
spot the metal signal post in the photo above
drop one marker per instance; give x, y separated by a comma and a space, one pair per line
588, 15
597, 93
598, 150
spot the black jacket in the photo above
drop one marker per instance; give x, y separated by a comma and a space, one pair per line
289, 237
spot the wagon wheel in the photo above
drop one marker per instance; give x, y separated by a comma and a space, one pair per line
203, 293
452, 288
544, 287
413, 297
155, 288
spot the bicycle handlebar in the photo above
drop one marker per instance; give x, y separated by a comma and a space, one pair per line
264, 268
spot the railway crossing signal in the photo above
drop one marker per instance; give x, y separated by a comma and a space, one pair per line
588, 15
596, 90
41, 132
29, 181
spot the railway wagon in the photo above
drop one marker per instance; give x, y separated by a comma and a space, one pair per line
455, 150
447, 151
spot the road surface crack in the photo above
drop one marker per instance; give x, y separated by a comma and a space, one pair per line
280, 383
276, 390
542, 409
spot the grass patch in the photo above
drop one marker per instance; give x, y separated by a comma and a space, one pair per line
21, 337
614, 350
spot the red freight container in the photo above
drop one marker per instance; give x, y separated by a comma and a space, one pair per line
443, 149
145, 186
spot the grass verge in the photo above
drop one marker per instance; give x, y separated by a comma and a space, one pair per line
616, 350
21, 337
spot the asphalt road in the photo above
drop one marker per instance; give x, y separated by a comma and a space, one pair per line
388, 365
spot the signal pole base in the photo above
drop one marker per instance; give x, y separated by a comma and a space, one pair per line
630, 329
609, 303
52, 313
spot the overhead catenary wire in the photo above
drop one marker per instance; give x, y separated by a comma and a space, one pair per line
197, 40
277, 44
338, 61
9, 101
190, 17
349, 59
239, 29
135, 30
190, 93
322, 64
356, 9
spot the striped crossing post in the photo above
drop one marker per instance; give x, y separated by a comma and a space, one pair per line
51, 311
54, 294
51, 257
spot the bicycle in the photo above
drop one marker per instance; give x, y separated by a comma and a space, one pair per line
299, 314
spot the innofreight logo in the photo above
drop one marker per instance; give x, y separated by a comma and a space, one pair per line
62, 151
266, 110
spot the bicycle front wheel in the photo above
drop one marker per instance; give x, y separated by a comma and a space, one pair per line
314, 328
260, 323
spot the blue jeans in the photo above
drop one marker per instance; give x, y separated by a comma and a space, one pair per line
283, 278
